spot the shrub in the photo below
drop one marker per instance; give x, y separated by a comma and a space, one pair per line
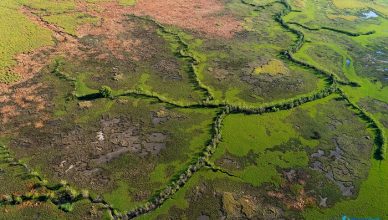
67, 207
105, 92
17, 199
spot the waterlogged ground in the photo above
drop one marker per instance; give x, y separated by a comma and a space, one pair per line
208, 109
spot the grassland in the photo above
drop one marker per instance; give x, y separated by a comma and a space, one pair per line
70, 22
14, 29
249, 109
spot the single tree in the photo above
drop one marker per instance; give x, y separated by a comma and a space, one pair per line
105, 91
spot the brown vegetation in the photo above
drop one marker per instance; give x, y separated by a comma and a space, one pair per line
292, 192
22, 99
67, 45
205, 16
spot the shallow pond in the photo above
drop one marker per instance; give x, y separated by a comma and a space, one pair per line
369, 14
348, 62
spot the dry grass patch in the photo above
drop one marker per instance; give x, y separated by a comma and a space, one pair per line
299, 3
205, 16
272, 67
360, 4
345, 17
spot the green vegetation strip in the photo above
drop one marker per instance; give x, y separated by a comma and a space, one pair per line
183, 52
352, 34
374, 124
60, 194
287, 104
180, 180
379, 131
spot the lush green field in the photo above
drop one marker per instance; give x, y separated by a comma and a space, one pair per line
14, 29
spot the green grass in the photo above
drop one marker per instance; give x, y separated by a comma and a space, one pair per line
371, 201
263, 144
46, 6
81, 89
14, 29
380, 6
265, 169
179, 199
165, 73
48, 211
251, 132
231, 88
70, 22
187, 131
8, 77
127, 2
13, 179
120, 197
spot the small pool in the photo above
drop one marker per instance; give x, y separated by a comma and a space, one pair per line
369, 14
348, 62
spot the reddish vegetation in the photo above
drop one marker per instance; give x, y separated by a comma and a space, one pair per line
112, 25
4, 98
297, 203
28, 204
23, 99
28, 64
204, 16
294, 200
111, 15
7, 112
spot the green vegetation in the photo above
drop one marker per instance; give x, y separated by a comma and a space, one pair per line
105, 92
127, 2
13, 31
70, 22
45, 6
148, 117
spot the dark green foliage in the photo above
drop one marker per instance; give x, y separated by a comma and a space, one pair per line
105, 92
